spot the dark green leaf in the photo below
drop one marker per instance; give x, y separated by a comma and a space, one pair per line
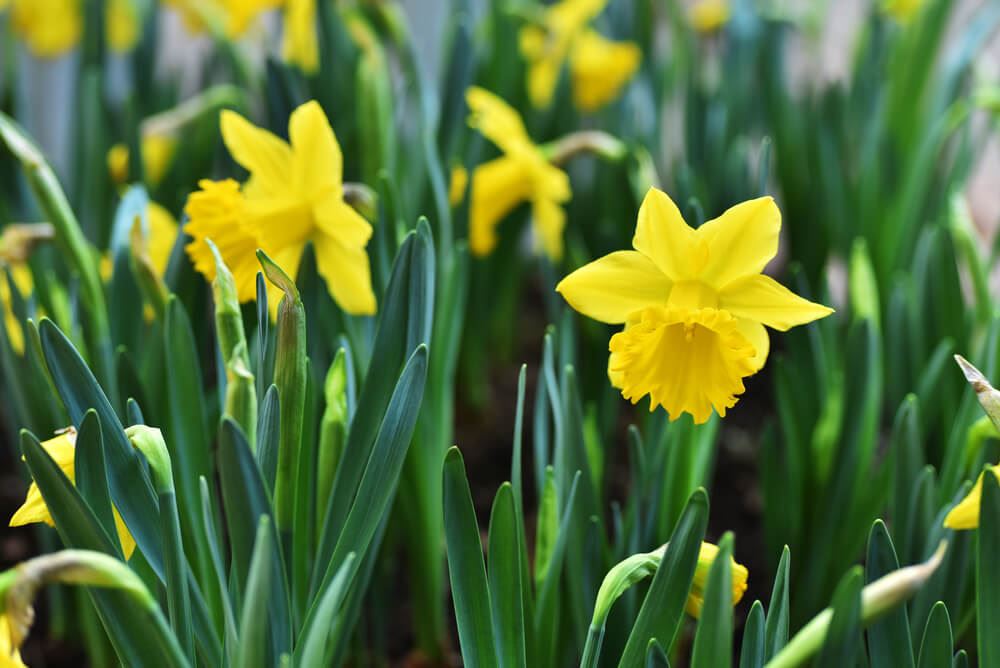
987, 576
752, 652
843, 638
936, 645
505, 580
713, 639
889, 643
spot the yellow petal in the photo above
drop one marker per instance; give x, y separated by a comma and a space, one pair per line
549, 220
495, 119
301, 45
162, 235
10, 656
318, 162
49, 28
763, 299
613, 287
338, 220
757, 336
456, 188
62, 450
741, 241
497, 187
347, 274
662, 235
688, 361
124, 535
265, 156
965, 515
600, 69
709, 15
122, 24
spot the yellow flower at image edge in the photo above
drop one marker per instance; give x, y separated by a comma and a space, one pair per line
62, 449
707, 16
23, 282
294, 196
521, 174
902, 10
694, 305
10, 656
233, 16
965, 515
706, 557
50, 28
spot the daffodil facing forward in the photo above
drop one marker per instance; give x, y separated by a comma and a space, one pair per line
694, 304
62, 449
294, 196
522, 173
599, 66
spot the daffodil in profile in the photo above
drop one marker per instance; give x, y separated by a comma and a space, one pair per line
294, 197
62, 449
706, 557
694, 304
523, 173
599, 66
708, 16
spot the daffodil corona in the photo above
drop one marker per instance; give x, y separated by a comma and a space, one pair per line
599, 67
694, 304
521, 173
294, 196
62, 449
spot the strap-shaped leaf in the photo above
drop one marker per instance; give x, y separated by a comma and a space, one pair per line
713, 639
505, 580
255, 614
936, 645
752, 651
776, 627
466, 570
661, 611
987, 576
889, 642
315, 648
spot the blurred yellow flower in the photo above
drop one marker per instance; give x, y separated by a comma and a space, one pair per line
62, 449
707, 16
23, 282
294, 196
157, 153
162, 235
232, 17
50, 28
10, 655
693, 302
902, 10
706, 557
301, 45
522, 173
965, 515
599, 67
123, 24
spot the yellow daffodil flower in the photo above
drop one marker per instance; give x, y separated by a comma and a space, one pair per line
294, 196
23, 282
965, 515
157, 154
707, 16
50, 28
123, 24
233, 17
162, 235
301, 45
62, 449
522, 173
902, 10
693, 302
600, 68
706, 557
10, 655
